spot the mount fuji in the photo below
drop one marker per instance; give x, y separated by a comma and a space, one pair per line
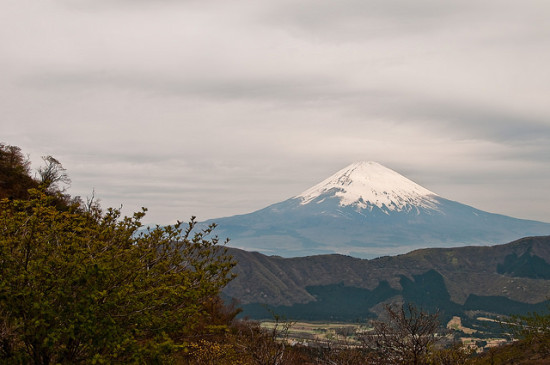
367, 210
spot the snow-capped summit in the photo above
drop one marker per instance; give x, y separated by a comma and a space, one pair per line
367, 210
367, 184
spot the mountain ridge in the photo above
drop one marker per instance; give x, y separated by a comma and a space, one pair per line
476, 278
398, 217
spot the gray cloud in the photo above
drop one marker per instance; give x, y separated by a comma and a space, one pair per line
216, 108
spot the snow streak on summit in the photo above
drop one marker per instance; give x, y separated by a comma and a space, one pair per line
367, 184
367, 210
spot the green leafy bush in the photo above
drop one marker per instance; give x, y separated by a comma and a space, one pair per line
83, 285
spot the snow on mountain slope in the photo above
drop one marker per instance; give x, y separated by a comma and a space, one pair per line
367, 184
367, 210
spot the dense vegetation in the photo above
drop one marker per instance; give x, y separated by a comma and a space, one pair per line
79, 284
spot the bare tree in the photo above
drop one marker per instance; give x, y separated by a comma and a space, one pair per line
266, 346
404, 338
53, 173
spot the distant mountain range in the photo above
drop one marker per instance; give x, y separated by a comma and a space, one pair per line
470, 282
367, 210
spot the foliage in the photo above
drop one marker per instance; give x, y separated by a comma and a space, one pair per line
456, 354
516, 353
533, 330
86, 285
15, 178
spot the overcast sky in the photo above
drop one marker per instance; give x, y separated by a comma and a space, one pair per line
216, 108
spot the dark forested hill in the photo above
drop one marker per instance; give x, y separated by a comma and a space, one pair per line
503, 279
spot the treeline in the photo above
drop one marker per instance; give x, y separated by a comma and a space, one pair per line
83, 285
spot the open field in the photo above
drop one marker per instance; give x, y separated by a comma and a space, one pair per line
345, 334
319, 332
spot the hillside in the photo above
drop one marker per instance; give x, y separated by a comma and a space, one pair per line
502, 279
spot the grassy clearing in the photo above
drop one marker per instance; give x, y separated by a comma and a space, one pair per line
344, 333
320, 332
